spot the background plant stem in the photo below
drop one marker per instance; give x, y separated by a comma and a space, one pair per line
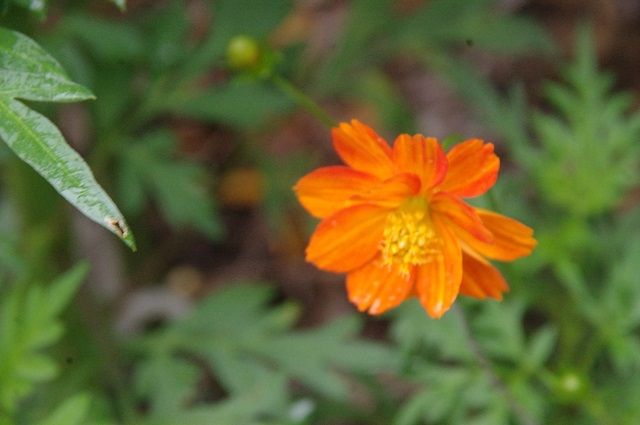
304, 101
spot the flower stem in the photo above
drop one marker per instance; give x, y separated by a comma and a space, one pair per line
303, 100
493, 200
485, 363
109, 357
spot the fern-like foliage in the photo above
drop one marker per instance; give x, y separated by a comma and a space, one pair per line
147, 169
449, 359
29, 324
585, 162
254, 355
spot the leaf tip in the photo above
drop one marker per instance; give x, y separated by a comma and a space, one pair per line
120, 228
88, 94
120, 4
130, 242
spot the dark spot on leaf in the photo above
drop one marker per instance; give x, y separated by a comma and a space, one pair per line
118, 227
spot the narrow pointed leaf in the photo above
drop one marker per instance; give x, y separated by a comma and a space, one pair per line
39, 143
28, 72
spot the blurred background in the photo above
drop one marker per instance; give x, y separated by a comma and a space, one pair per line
199, 132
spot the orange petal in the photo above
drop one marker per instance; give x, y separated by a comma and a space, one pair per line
328, 189
438, 281
473, 168
362, 149
511, 239
391, 192
459, 216
377, 288
421, 156
481, 280
347, 239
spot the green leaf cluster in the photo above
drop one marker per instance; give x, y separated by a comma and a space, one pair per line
482, 369
148, 169
30, 323
254, 355
577, 161
587, 158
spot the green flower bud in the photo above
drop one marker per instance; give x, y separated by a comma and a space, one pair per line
570, 387
243, 53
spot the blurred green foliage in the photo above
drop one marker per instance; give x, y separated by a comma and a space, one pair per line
588, 149
147, 168
29, 324
451, 361
254, 352
562, 348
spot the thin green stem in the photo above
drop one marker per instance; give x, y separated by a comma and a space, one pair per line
493, 199
485, 363
303, 100
110, 357
591, 351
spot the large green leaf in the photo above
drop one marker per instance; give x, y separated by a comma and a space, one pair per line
27, 72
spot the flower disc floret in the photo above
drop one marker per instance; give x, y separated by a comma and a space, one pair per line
409, 238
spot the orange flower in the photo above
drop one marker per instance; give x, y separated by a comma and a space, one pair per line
394, 221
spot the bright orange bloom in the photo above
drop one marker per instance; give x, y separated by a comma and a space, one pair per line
394, 221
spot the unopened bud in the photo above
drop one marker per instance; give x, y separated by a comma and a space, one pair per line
243, 53
570, 387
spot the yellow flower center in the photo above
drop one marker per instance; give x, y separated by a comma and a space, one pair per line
409, 238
